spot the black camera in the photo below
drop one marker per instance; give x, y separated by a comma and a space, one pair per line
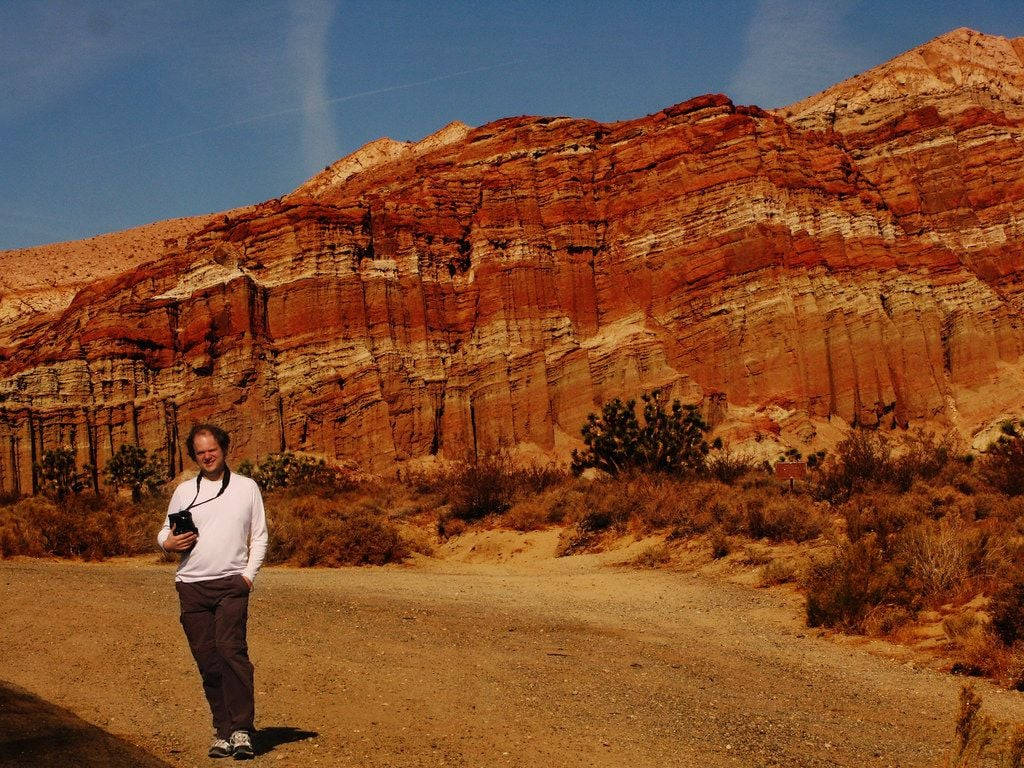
181, 522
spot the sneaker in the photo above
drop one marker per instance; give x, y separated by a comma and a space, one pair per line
241, 746
219, 748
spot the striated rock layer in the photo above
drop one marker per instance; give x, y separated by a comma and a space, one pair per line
854, 259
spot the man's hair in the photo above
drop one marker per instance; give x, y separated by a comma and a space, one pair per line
223, 438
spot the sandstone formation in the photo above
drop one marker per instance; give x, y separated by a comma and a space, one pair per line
852, 259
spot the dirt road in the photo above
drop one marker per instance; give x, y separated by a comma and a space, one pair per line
541, 662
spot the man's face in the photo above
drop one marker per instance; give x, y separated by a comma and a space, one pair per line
209, 456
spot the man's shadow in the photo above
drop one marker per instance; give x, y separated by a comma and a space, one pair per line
265, 739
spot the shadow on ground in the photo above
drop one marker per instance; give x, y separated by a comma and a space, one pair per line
37, 734
265, 739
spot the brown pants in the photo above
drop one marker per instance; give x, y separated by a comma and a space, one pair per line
213, 614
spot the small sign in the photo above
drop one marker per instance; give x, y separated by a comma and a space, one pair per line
791, 470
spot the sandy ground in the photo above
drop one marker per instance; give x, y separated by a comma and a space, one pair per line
489, 657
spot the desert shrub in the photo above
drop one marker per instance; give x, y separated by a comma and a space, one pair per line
1002, 463
536, 478
58, 473
87, 527
449, 526
882, 514
783, 520
866, 459
778, 572
843, 588
1007, 611
529, 514
886, 619
653, 556
903, 559
134, 467
860, 459
721, 544
668, 441
922, 456
727, 467
305, 474
483, 488
312, 531
488, 486
940, 558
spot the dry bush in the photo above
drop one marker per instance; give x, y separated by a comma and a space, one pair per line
974, 732
861, 459
449, 526
87, 527
1007, 611
779, 572
480, 489
1002, 463
843, 588
527, 515
654, 556
975, 649
727, 467
489, 486
903, 552
882, 514
867, 459
721, 545
978, 740
940, 557
885, 620
781, 520
311, 530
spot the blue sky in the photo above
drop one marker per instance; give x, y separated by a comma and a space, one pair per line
114, 114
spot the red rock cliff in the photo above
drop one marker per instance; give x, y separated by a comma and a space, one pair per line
854, 258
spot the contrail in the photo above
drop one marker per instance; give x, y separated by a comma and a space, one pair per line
294, 110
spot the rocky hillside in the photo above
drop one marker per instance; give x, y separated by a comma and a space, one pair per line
852, 259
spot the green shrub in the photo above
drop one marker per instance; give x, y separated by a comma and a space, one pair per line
668, 441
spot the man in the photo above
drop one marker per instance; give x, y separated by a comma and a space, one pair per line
216, 574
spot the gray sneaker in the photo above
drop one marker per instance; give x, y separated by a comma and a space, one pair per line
219, 748
241, 746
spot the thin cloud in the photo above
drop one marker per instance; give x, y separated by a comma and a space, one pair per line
295, 110
307, 47
793, 49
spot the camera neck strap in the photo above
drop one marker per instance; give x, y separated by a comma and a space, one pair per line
199, 480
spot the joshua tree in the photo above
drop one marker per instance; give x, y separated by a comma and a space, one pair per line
58, 473
668, 441
134, 467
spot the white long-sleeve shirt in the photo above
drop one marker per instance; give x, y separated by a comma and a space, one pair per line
232, 529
